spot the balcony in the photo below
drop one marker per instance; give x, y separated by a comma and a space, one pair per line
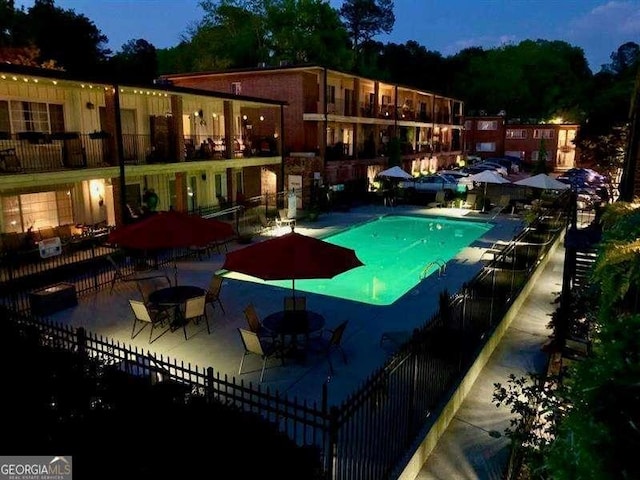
34, 152
339, 107
31, 152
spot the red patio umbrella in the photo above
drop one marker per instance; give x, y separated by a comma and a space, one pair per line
171, 229
292, 256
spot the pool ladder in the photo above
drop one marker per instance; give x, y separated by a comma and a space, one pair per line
442, 268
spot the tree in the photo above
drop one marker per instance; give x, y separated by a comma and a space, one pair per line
532, 80
624, 59
541, 165
232, 34
307, 31
237, 34
364, 19
399, 64
72, 40
136, 62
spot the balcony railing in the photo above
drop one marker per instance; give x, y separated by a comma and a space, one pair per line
37, 152
339, 107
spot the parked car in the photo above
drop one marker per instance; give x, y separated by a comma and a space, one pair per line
575, 176
478, 168
431, 184
497, 167
512, 164
464, 182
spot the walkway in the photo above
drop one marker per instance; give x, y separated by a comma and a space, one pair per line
473, 446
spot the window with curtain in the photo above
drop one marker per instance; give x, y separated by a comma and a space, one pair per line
23, 116
37, 210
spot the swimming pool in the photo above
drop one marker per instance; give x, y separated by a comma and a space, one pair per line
395, 251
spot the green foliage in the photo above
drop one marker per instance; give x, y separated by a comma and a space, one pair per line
541, 165
79, 50
533, 79
537, 405
236, 34
599, 438
617, 267
364, 19
137, 62
394, 150
592, 430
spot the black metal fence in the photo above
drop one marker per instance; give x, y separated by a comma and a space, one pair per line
368, 435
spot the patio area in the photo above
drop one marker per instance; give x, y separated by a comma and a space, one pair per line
110, 315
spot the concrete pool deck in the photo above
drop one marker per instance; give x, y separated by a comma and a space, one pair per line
110, 314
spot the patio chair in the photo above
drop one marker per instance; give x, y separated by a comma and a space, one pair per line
213, 292
9, 160
131, 277
298, 304
194, 310
503, 203
439, 200
470, 201
253, 345
326, 345
266, 225
283, 219
148, 285
146, 316
255, 324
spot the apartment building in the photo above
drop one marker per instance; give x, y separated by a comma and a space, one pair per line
496, 136
339, 125
75, 152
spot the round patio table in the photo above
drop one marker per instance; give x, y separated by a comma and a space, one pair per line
294, 322
175, 297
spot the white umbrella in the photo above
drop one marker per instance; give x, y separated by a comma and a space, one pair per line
488, 176
543, 181
395, 172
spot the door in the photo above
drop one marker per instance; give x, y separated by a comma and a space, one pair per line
129, 134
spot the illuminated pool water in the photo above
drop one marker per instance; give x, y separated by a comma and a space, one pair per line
395, 251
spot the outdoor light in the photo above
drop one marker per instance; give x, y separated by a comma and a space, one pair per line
261, 118
244, 117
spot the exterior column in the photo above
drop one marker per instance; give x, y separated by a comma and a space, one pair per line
176, 112
356, 108
228, 128
181, 192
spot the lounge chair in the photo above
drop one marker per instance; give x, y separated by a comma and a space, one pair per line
439, 200
283, 219
265, 224
470, 201
503, 204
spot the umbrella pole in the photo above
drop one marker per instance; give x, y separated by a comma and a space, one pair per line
484, 197
175, 274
